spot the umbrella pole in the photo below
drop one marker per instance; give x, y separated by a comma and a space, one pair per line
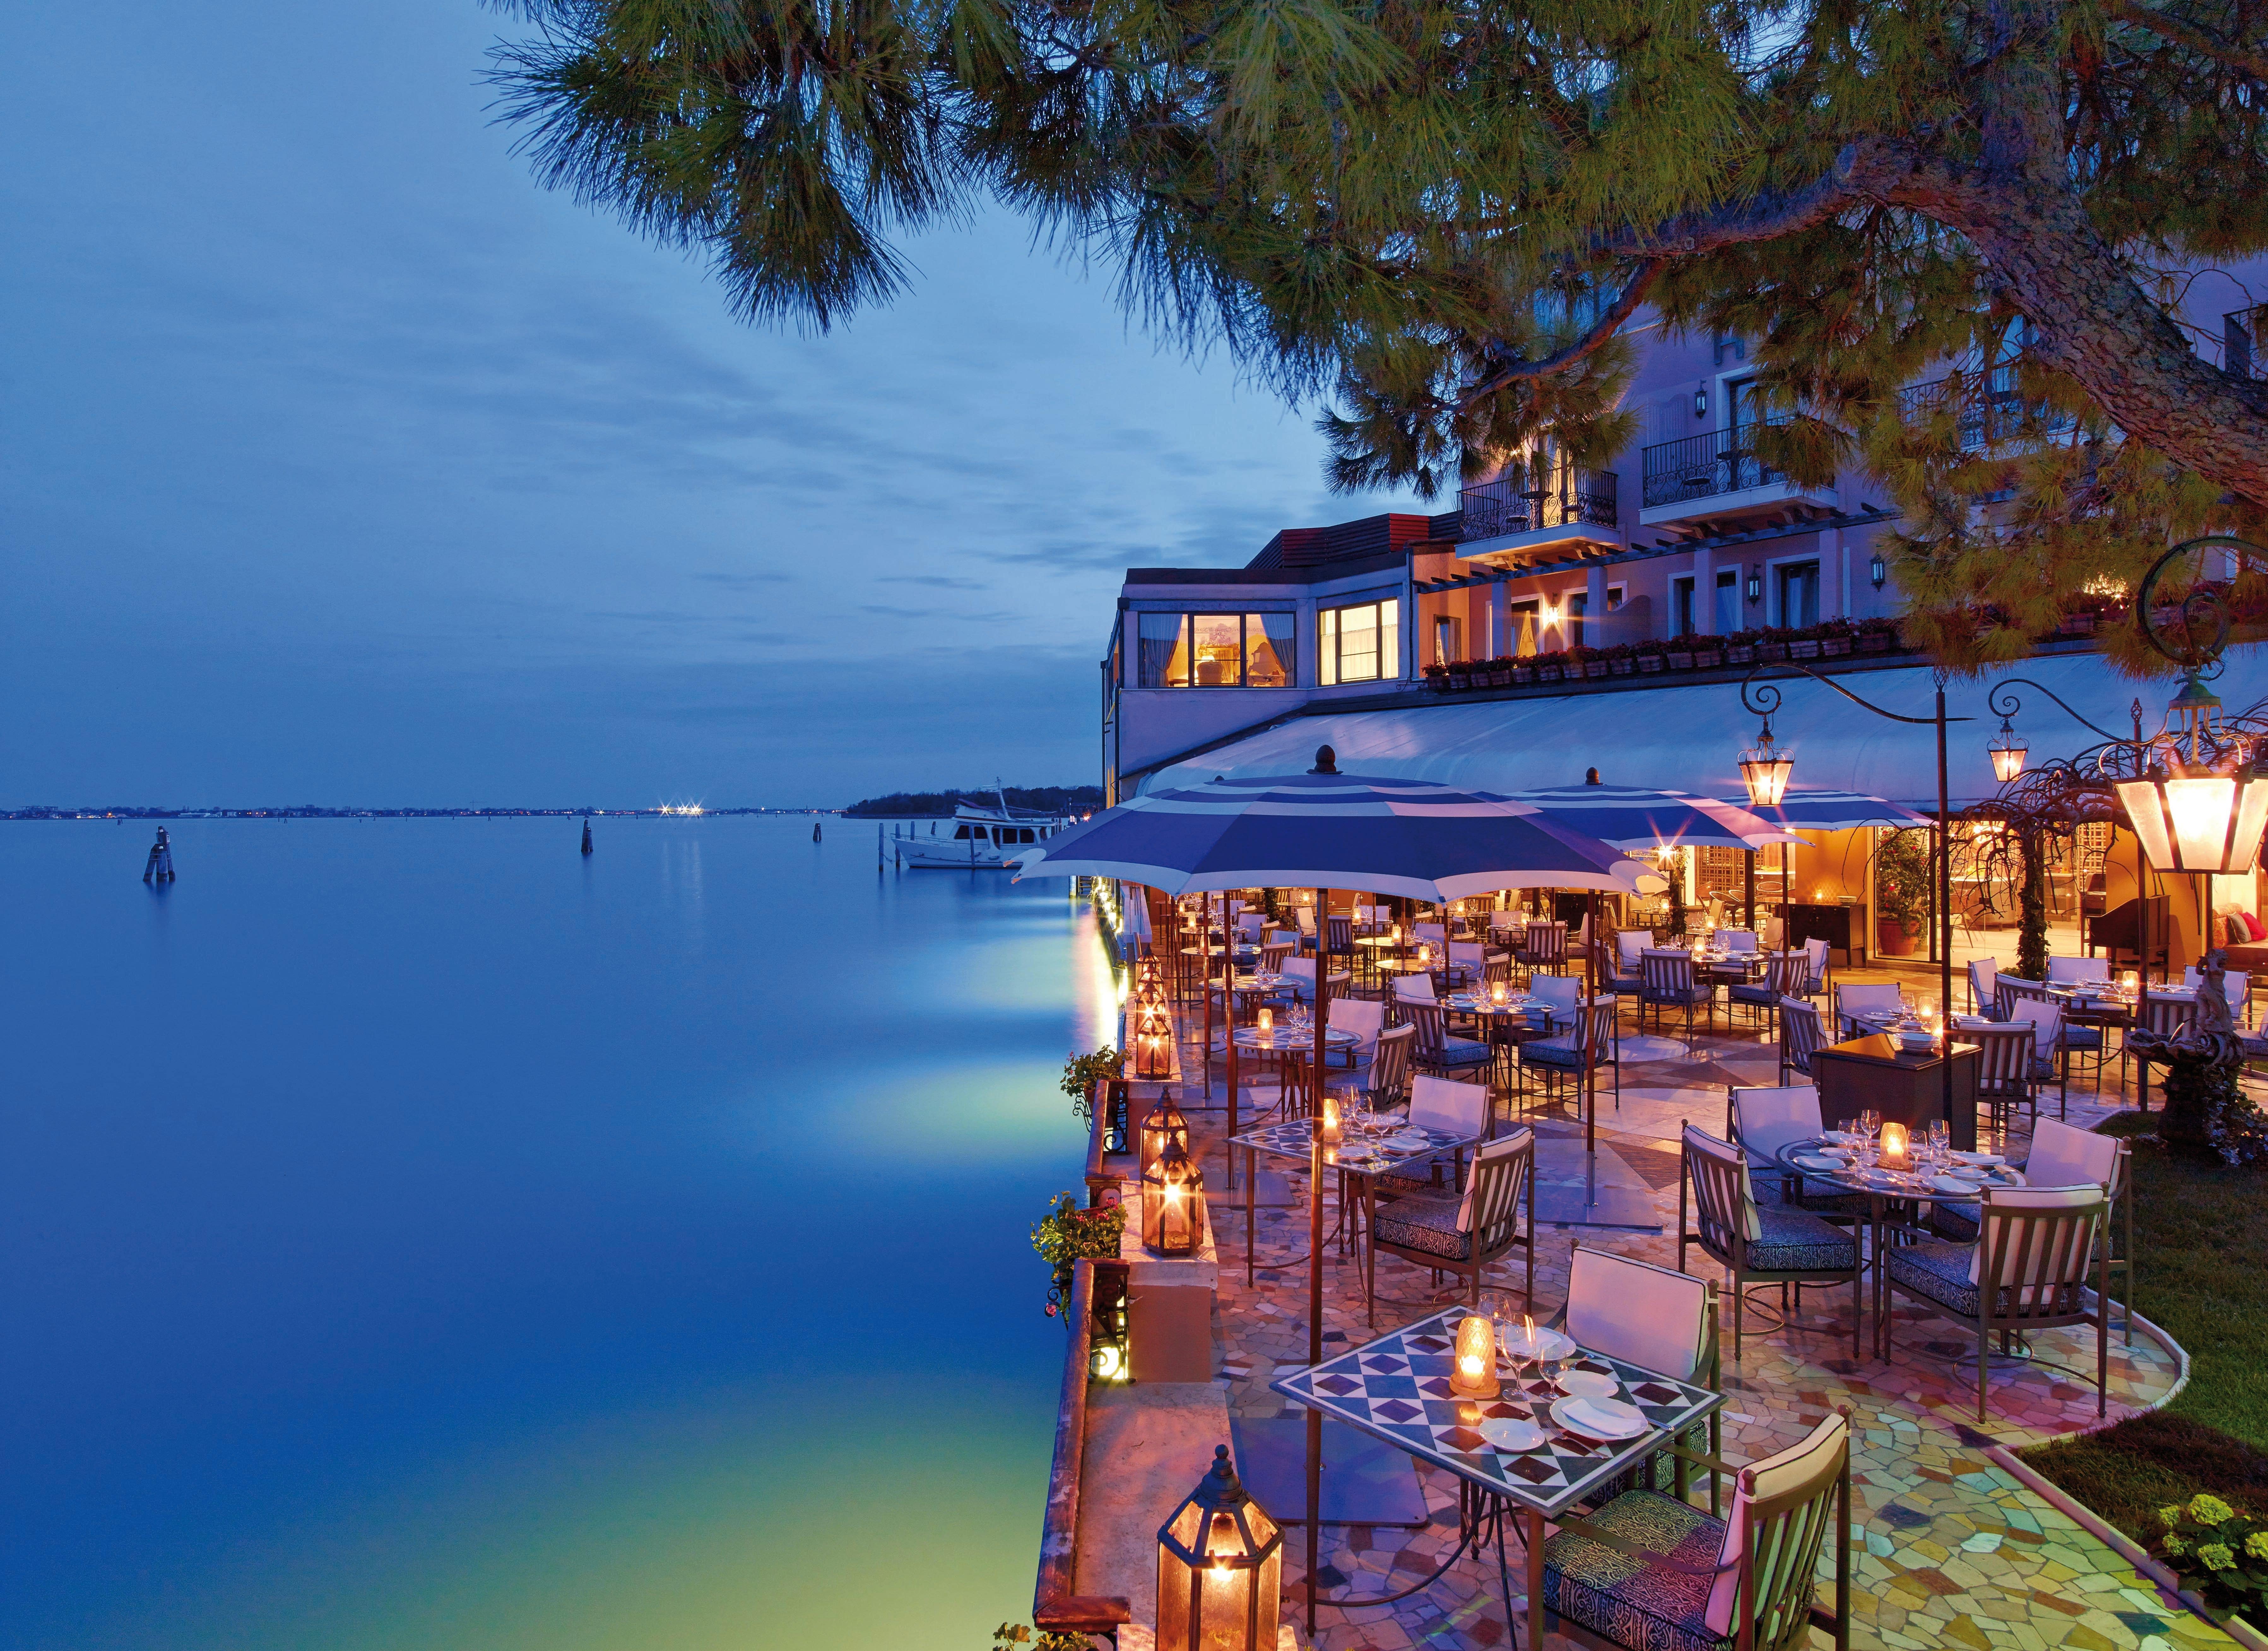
1749, 878
1583, 1021
1205, 922
1315, 1252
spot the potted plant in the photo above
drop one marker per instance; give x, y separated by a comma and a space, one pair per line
1877, 635
1741, 648
1834, 635
1461, 675
1595, 663
1550, 667
1621, 661
1902, 893
1773, 643
1437, 678
1083, 1072
1500, 673
1680, 655
1650, 658
1803, 643
1523, 673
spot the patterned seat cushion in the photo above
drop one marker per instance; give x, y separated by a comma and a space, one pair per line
1462, 1052
1420, 1179
1429, 1224
1796, 1241
1658, 1471
1938, 1270
1760, 994
1552, 1051
1956, 1221
1626, 1601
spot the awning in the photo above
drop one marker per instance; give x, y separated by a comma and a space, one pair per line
1688, 737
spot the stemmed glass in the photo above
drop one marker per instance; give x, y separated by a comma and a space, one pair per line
1940, 1143
1870, 1130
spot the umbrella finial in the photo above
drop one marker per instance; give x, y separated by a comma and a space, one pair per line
1591, 777
1326, 761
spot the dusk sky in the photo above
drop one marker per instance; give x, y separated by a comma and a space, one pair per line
341, 463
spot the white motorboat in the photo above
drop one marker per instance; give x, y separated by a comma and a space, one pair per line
984, 836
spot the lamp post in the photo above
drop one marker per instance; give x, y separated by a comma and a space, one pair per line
1762, 699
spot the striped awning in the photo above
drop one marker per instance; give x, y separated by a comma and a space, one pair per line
1631, 817
1832, 811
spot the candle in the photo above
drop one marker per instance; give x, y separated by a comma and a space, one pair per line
1496, 993
1425, 954
1266, 1018
2133, 983
1894, 1145
1473, 1375
1330, 1119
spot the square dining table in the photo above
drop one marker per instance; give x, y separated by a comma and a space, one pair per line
1358, 1158
1397, 1388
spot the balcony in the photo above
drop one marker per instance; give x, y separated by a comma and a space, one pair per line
1715, 475
1518, 513
1988, 408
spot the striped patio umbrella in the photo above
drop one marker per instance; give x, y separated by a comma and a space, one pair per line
1830, 811
1631, 817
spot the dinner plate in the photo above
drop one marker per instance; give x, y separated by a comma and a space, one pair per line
1588, 1384
1976, 1158
1813, 1161
1512, 1435
1411, 1140
1843, 1137
2008, 1177
1952, 1183
1607, 1420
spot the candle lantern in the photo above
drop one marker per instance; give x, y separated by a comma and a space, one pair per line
1153, 1051
2008, 751
1472, 1371
1165, 1125
1764, 769
1173, 1204
1265, 1020
1894, 1145
1331, 1136
1220, 1569
1496, 992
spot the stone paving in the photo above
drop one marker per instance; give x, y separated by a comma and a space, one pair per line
1955, 1550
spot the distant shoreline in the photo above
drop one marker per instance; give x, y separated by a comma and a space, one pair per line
311, 812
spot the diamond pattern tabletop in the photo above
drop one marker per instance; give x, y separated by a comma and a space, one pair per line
1296, 1139
1398, 1387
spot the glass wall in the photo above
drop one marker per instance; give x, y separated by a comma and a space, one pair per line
1215, 649
1360, 644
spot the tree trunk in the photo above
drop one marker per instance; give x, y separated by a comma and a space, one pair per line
2032, 910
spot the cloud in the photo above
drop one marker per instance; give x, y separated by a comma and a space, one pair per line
937, 613
935, 581
742, 581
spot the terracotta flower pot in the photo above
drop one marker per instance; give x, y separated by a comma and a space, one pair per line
1894, 939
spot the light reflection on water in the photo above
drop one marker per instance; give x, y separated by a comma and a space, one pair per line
422, 1236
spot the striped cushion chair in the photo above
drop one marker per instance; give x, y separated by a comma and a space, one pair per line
1670, 984
1566, 1056
1757, 1244
1436, 1050
1783, 978
1460, 1110
1802, 1034
1465, 1235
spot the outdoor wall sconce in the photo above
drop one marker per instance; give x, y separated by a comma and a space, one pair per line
1472, 1371
1701, 402
1173, 1204
1755, 583
2009, 749
1878, 569
1220, 1568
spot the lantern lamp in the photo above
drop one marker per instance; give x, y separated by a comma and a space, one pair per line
1220, 1568
1496, 992
1472, 1368
1755, 583
2008, 750
1878, 571
1331, 1135
1894, 1145
1764, 769
1265, 1019
2198, 820
1165, 1126
1173, 1204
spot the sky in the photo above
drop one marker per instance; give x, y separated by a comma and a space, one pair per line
341, 463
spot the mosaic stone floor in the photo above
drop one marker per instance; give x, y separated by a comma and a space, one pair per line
1955, 1552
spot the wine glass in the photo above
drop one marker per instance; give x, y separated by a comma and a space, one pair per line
1940, 1141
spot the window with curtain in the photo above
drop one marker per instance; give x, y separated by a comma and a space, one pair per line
1216, 650
1358, 644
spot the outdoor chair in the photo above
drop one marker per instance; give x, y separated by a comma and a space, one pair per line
1670, 984
2028, 1270
1981, 973
1365, 1018
1304, 916
2074, 971
1874, 995
2006, 1063
1757, 1244
1273, 954
1409, 989
1563, 992
1628, 978
1465, 1235
2050, 1045
1386, 1083
1662, 1321
1465, 961
1736, 939
1801, 1036
1565, 1056
1249, 925
2167, 1017
1774, 934
1783, 978
1454, 1108
2064, 1155
1299, 981
1497, 971
1648, 1572
1340, 931
2010, 990
1763, 1121
1814, 959
1437, 1052
1545, 947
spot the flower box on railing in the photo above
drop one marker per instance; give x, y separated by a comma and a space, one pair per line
1740, 656
1710, 659
1548, 673
1770, 652
1460, 681
1803, 648
1522, 676
1834, 647
1680, 659
1622, 667
1598, 668
1650, 664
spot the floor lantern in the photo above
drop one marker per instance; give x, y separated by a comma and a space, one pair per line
1173, 1204
1220, 1568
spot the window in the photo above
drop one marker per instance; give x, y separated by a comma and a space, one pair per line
1215, 649
1359, 643
1799, 593
1729, 602
1579, 608
1449, 647
1681, 599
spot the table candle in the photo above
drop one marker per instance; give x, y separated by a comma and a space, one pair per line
1894, 1145
1266, 1018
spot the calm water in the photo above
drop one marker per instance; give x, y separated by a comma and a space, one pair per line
418, 1236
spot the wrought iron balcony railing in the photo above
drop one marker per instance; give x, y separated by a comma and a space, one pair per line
1987, 406
1514, 504
1705, 466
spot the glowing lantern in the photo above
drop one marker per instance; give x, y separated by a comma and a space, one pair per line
1764, 769
1220, 1568
1496, 992
1165, 1126
1331, 1136
1894, 1145
2008, 751
2198, 822
1173, 1204
1266, 1018
1472, 1371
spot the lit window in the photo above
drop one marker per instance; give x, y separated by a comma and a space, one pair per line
1360, 644
1215, 649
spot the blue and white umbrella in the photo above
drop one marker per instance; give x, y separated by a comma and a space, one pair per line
1333, 830
1830, 811
1631, 817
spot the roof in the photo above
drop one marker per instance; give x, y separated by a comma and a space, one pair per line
1351, 540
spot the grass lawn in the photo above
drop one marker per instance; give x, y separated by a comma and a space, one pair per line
2201, 1244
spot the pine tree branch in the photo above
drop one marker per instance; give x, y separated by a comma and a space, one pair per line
1606, 327
2198, 38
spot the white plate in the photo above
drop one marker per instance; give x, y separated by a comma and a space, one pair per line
1810, 1160
1843, 1137
2007, 1177
1952, 1183
1588, 1384
1411, 1140
1550, 1343
1510, 1435
1582, 1417
1976, 1158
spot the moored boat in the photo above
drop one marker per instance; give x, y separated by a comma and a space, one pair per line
984, 836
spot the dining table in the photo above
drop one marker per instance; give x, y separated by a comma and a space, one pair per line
1522, 1452
1360, 1155
1505, 1024
1897, 1197
1294, 1045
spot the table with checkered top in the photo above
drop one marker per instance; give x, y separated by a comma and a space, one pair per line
1358, 1158
1397, 1388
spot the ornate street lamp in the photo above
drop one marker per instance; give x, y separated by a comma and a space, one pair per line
1764, 769
2008, 749
1220, 1568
